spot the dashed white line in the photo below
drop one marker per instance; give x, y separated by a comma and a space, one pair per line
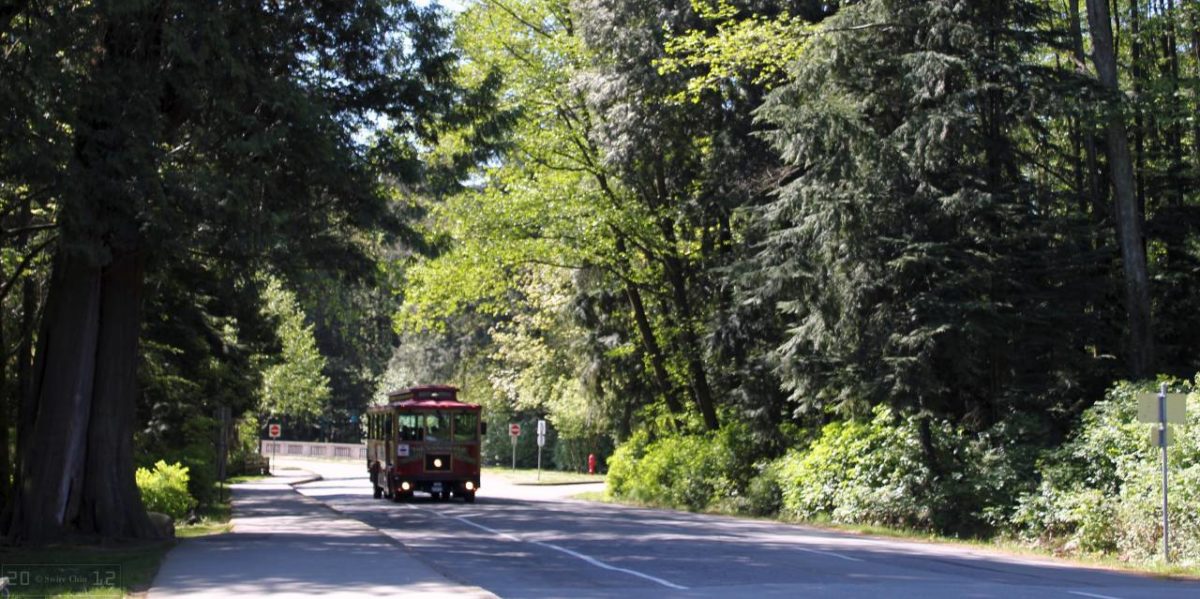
575, 554
485, 528
829, 553
600, 564
1093, 595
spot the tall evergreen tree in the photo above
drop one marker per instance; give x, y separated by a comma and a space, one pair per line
224, 129
916, 259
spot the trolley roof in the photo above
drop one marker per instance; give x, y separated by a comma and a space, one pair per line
441, 397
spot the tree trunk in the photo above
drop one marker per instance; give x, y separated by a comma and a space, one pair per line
1139, 127
701, 392
77, 467
1196, 105
650, 343
1128, 219
112, 505
5, 420
1096, 191
55, 447
1176, 181
662, 379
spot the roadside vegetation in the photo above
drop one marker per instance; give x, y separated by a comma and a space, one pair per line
885, 263
526, 476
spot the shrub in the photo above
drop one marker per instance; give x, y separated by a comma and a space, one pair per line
1101, 491
165, 489
694, 472
877, 473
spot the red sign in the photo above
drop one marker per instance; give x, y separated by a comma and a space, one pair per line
514, 430
273, 431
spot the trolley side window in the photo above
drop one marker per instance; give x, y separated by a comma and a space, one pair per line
465, 426
410, 427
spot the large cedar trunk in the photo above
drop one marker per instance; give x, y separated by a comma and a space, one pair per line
112, 505
1129, 219
76, 473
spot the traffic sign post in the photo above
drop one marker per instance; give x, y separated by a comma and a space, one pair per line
514, 431
273, 431
1163, 409
541, 441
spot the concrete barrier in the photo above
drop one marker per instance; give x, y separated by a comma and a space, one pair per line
303, 449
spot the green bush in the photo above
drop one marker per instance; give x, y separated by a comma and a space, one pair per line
165, 489
243, 444
694, 472
878, 473
1101, 491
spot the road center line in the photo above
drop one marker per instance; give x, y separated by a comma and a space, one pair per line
485, 528
600, 564
829, 554
575, 554
1094, 595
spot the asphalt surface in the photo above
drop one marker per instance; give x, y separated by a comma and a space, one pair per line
285, 545
521, 541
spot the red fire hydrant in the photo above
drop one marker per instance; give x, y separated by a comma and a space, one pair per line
591, 463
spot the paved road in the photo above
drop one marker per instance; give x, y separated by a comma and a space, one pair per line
530, 542
286, 546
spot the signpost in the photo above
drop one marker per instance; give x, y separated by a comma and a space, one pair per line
273, 431
514, 431
541, 440
224, 419
1164, 409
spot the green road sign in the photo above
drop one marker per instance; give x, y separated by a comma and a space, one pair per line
1176, 407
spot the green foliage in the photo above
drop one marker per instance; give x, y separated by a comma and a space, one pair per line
757, 47
1101, 491
879, 472
165, 489
294, 383
694, 472
244, 442
913, 255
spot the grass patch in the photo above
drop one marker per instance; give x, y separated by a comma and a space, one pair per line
214, 518
78, 571
548, 477
591, 496
246, 478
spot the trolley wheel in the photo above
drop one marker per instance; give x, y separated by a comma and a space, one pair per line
397, 497
469, 497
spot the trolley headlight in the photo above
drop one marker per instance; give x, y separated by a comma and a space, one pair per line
470, 486
437, 462
404, 486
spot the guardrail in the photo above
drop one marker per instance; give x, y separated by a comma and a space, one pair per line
304, 449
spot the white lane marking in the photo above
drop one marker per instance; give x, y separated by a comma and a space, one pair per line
1095, 596
829, 553
485, 528
600, 564
591, 560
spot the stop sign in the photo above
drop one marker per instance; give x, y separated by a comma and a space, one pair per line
514, 430
273, 431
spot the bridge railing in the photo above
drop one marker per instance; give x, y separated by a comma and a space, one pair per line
305, 449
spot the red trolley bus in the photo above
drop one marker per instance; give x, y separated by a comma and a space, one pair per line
425, 440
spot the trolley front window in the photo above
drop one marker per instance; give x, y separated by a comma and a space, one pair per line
410, 427
465, 425
437, 426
